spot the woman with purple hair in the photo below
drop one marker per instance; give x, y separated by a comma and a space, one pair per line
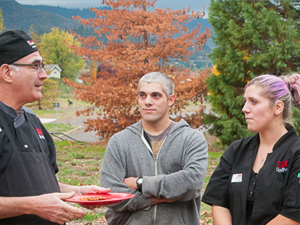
258, 178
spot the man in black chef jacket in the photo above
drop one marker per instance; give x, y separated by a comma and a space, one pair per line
29, 191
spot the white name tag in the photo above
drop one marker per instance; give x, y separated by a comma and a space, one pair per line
236, 178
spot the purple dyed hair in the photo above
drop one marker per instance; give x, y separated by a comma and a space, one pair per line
285, 88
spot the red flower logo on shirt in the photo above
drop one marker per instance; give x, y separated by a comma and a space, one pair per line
40, 133
282, 166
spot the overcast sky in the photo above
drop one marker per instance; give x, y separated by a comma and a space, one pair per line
195, 5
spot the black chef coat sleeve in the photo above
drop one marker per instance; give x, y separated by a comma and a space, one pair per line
291, 196
51, 149
216, 192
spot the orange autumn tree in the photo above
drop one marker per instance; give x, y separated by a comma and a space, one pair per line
138, 41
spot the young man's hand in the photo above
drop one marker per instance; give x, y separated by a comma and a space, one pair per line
131, 182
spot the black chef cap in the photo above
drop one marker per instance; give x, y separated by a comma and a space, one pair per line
14, 45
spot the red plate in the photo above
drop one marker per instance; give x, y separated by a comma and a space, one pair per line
110, 198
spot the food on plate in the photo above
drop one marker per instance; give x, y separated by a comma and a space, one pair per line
92, 198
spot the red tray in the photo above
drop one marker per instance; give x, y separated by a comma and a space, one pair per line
110, 198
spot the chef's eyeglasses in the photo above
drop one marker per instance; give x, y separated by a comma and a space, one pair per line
37, 66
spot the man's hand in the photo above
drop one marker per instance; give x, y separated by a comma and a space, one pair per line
92, 189
160, 200
131, 182
51, 207
82, 190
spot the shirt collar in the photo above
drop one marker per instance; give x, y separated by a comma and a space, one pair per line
18, 120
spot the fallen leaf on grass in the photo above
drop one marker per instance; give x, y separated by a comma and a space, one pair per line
207, 219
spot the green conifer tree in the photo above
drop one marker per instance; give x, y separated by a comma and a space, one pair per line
252, 38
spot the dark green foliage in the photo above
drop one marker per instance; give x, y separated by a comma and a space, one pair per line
296, 119
252, 38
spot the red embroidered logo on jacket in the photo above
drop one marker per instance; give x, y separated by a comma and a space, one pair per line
40, 133
282, 166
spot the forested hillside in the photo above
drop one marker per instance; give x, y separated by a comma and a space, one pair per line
66, 12
43, 18
87, 13
17, 16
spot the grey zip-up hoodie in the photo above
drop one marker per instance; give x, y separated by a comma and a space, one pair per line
177, 173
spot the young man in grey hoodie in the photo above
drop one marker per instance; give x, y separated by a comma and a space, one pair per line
163, 163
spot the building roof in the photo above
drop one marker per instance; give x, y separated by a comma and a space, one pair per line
50, 67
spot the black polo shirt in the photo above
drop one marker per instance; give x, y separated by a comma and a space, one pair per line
278, 181
29, 133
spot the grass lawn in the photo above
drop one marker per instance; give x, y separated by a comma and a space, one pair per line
79, 163
58, 128
213, 161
